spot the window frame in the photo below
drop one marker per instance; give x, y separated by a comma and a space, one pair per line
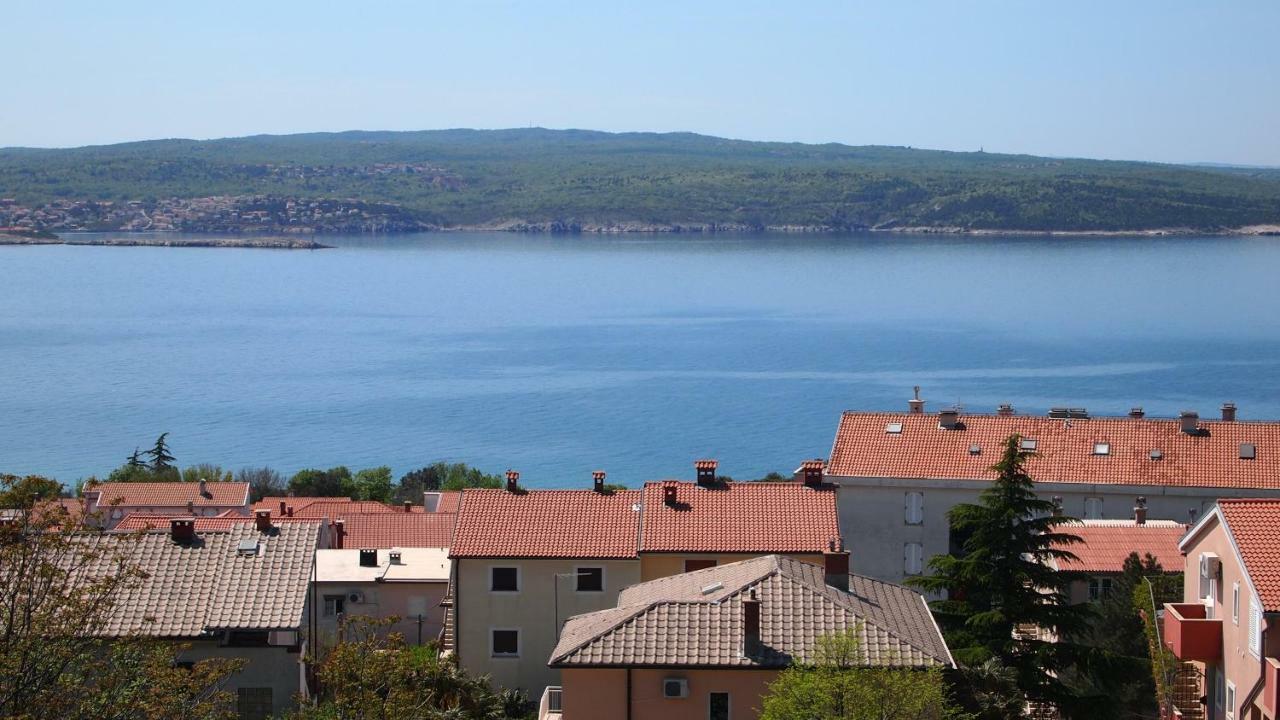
1088, 501
1230, 713
1235, 603
907, 515
577, 578
494, 654
339, 605
519, 579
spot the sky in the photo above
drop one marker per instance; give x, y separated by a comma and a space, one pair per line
1167, 80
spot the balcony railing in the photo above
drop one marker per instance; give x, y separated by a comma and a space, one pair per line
549, 707
1190, 634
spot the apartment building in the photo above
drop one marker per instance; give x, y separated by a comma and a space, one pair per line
108, 503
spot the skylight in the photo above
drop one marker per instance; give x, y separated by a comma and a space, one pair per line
893, 428
1102, 448
708, 589
1027, 445
975, 449
1156, 455
1248, 451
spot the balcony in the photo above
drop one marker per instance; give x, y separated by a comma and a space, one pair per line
1270, 698
549, 707
1191, 635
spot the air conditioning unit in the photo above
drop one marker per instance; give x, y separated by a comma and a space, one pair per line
675, 688
1210, 567
356, 597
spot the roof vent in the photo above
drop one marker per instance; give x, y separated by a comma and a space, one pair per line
368, 557
248, 547
949, 419
713, 587
1157, 455
395, 557
669, 489
975, 449
182, 530
1027, 445
1065, 413
893, 429
1248, 451
1137, 413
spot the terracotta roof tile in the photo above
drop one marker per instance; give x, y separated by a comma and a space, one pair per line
134, 522
747, 517
1108, 543
1253, 525
170, 494
397, 530
672, 622
1065, 450
547, 523
322, 507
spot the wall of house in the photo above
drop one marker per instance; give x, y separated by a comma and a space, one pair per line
660, 565
266, 667
405, 600
547, 598
600, 693
873, 513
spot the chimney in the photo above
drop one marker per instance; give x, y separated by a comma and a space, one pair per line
282, 508
204, 489
191, 508
1005, 410
706, 470
368, 557
408, 506
262, 518
835, 563
1228, 412
513, 481
915, 405
340, 532
1136, 413
751, 625
1057, 506
395, 557
1140, 511
597, 480
1190, 422
290, 511
430, 502
182, 530
948, 419
812, 471
669, 493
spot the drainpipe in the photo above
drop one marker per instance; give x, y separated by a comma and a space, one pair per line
628, 692
1262, 678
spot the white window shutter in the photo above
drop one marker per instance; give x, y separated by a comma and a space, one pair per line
914, 508
1255, 628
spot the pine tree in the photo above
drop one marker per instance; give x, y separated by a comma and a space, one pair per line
1003, 586
135, 460
161, 459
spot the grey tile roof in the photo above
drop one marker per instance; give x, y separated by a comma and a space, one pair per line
208, 586
673, 622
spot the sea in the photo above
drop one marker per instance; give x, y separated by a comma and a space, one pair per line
636, 354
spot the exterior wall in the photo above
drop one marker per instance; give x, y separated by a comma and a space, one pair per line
660, 565
405, 600
546, 599
600, 693
1238, 665
266, 667
112, 515
873, 513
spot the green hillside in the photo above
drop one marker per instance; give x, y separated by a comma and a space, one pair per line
453, 178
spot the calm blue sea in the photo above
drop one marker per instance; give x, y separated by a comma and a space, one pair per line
557, 356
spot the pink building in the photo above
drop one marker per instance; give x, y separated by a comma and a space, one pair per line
1225, 627
109, 503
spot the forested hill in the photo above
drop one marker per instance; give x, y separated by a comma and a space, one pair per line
572, 179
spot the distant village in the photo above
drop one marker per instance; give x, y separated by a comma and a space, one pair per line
693, 598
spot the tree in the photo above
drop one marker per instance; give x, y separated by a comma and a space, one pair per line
58, 581
1005, 599
373, 484
334, 482
161, 458
839, 686
374, 676
444, 476
263, 482
135, 460
206, 471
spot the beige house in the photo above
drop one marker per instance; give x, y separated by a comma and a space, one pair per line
405, 584
900, 473
706, 644
109, 503
1225, 626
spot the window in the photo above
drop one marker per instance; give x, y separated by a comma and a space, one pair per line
915, 508
718, 706
1248, 451
893, 428
1027, 445
334, 605
698, 564
1219, 684
1235, 603
255, 703
913, 559
248, 638
1102, 448
1255, 628
504, 579
1092, 508
504, 642
590, 579
1099, 588
1231, 700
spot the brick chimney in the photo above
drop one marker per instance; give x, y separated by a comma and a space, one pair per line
1140, 510
750, 625
1190, 421
289, 512
812, 471
262, 519
191, 508
513, 481
1228, 412
915, 405
1137, 413
835, 562
282, 508
408, 506
340, 532
669, 493
597, 480
706, 470
182, 530
1005, 410
948, 419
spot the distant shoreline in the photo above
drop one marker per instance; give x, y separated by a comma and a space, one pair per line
153, 240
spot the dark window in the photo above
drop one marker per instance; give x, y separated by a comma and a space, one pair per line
591, 579
718, 706
504, 579
248, 638
506, 642
187, 665
254, 703
691, 565
334, 605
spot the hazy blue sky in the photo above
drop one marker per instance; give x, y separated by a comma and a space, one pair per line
1168, 80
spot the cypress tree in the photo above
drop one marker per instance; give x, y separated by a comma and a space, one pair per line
161, 459
1004, 598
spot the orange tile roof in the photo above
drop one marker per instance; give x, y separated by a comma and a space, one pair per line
134, 522
733, 517
547, 524
1107, 543
1253, 524
1065, 450
170, 494
397, 530
321, 507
